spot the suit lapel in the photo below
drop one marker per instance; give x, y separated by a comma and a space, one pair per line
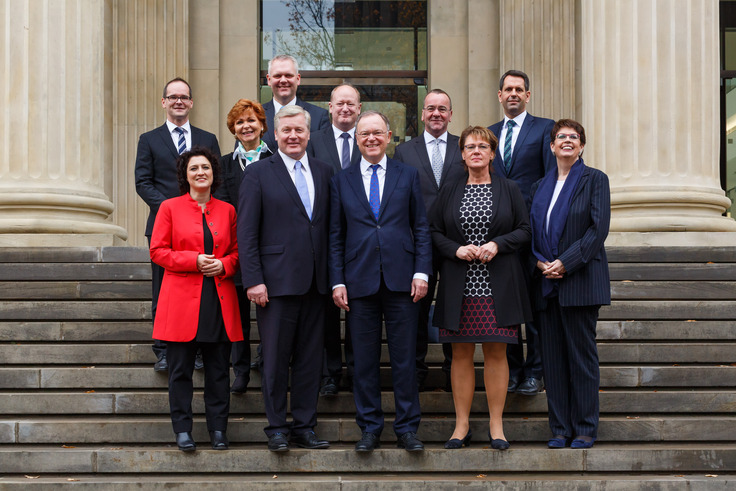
420, 148
457, 198
451, 155
355, 157
328, 141
278, 167
393, 172
355, 179
526, 128
167, 141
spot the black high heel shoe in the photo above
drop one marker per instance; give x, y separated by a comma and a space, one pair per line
497, 443
455, 443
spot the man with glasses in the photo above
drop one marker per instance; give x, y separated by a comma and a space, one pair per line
380, 260
438, 159
523, 156
155, 174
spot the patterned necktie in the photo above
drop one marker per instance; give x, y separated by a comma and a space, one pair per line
345, 150
301, 187
182, 145
375, 197
507, 145
437, 161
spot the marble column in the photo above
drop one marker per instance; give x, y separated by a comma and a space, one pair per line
650, 105
54, 133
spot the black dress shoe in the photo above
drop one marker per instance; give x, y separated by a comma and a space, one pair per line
257, 363
240, 385
498, 443
198, 362
530, 387
219, 440
513, 384
185, 442
456, 443
309, 440
328, 388
278, 443
410, 442
368, 442
161, 365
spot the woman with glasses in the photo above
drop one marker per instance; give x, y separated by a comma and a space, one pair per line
479, 222
570, 215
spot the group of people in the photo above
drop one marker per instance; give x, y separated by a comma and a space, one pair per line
308, 216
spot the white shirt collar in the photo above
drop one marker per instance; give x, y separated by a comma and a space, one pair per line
290, 162
519, 120
429, 138
277, 107
186, 127
365, 166
338, 132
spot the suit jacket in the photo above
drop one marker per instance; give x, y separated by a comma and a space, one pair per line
397, 245
414, 153
280, 247
509, 229
176, 242
531, 158
581, 247
155, 166
232, 176
320, 119
323, 147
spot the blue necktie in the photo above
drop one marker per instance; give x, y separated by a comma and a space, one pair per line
182, 145
507, 145
301, 187
345, 150
375, 198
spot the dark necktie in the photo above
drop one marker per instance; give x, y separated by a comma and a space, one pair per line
345, 150
182, 145
302, 188
507, 145
375, 197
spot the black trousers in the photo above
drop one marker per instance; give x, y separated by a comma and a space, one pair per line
571, 368
519, 368
241, 349
216, 357
333, 349
292, 335
157, 277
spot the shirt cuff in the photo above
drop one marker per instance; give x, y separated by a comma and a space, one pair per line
338, 286
421, 276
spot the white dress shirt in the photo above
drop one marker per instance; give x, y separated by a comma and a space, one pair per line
175, 134
306, 172
338, 140
519, 120
367, 173
277, 107
429, 142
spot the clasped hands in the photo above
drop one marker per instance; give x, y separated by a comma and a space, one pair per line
484, 253
552, 270
208, 265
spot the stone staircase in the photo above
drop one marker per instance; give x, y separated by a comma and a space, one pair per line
81, 405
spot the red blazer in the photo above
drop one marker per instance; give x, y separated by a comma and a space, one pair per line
176, 242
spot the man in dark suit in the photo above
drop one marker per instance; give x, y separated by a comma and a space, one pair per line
336, 146
283, 77
523, 156
283, 219
155, 174
380, 259
438, 159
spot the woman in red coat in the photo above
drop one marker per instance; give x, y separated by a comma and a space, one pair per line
195, 241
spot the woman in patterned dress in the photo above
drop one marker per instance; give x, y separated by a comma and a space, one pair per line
479, 223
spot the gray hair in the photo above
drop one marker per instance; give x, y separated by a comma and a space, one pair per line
289, 111
283, 58
373, 113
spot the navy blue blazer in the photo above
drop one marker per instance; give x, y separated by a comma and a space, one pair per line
532, 157
320, 119
396, 245
581, 247
155, 166
323, 148
279, 246
414, 153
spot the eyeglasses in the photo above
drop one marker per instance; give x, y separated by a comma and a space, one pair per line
440, 109
376, 134
482, 146
563, 136
182, 98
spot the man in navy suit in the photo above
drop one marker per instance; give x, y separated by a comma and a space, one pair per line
335, 145
523, 156
283, 226
283, 77
437, 157
155, 173
380, 260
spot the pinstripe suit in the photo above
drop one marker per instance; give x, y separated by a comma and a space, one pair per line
568, 321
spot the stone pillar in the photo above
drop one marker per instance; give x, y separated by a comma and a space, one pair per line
54, 133
650, 106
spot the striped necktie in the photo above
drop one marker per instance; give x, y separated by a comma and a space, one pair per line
507, 145
182, 144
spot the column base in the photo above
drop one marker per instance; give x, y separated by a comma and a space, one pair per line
671, 239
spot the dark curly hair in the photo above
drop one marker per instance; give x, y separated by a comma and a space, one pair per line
183, 161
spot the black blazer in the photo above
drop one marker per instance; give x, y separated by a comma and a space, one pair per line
414, 153
278, 244
509, 229
324, 148
155, 166
320, 119
232, 175
581, 246
532, 157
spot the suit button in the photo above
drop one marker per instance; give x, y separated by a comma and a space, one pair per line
217, 245
215, 233
378, 227
212, 224
378, 248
